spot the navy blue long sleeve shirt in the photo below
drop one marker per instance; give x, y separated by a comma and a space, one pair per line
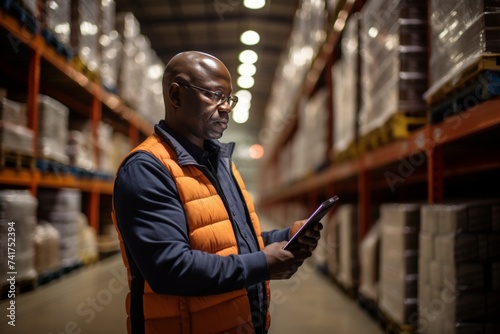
153, 225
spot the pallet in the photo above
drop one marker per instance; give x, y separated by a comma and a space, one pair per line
52, 40
82, 68
484, 86
21, 286
25, 18
351, 152
390, 326
51, 166
13, 159
398, 127
486, 62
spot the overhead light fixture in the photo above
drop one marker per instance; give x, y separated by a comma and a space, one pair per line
254, 4
256, 151
244, 95
250, 37
241, 113
247, 69
248, 57
245, 82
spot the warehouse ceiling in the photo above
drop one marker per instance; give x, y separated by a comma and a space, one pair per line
215, 26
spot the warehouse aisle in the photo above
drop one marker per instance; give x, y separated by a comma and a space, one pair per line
91, 300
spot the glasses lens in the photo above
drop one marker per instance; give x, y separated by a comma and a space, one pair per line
232, 101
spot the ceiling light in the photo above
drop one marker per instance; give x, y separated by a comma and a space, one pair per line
250, 37
245, 82
241, 113
254, 4
247, 70
256, 151
248, 57
244, 96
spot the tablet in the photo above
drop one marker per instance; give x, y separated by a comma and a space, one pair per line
320, 212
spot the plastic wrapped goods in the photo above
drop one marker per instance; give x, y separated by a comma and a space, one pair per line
85, 26
398, 294
16, 138
459, 40
345, 88
393, 61
61, 208
52, 129
17, 223
369, 263
46, 240
56, 18
13, 112
347, 221
110, 42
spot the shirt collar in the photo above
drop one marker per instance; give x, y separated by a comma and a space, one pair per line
210, 151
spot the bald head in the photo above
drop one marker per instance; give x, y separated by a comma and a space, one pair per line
194, 67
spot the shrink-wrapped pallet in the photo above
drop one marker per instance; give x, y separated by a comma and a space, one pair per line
16, 139
458, 254
312, 135
17, 223
393, 61
56, 18
134, 60
79, 149
458, 40
400, 225
13, 112
52, 129
369, 258
345, 88
347, 221
62, 209
88, 251
111, 46
85, 27
46, 240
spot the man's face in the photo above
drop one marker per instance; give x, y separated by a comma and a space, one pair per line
204, 117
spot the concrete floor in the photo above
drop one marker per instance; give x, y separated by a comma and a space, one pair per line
91, 300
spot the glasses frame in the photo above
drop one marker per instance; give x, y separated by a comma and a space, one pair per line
221, 97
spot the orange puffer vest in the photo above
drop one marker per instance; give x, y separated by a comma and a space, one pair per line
210, 230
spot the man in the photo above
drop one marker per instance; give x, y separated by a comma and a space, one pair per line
190, 237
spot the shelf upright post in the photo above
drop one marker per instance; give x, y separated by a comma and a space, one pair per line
435, 172
32, 106
364, 195
133, 134
94, 195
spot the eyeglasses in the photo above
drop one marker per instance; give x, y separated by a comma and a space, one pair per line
218, 98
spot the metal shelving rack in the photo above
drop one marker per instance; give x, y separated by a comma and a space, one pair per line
434, 150
36, 67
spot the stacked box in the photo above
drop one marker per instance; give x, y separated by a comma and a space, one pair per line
110, 42
460, 39
458, 261
312, 129
62, 209
347, 221
46, 240
369, 258
131, 75
345, 74
80, 150
333, 245
52, 129
14, 134
85, 25
17, 223
56, 18
13, 112
393, 61
400, 224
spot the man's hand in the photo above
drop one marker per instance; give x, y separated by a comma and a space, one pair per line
309, 241
282, 263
